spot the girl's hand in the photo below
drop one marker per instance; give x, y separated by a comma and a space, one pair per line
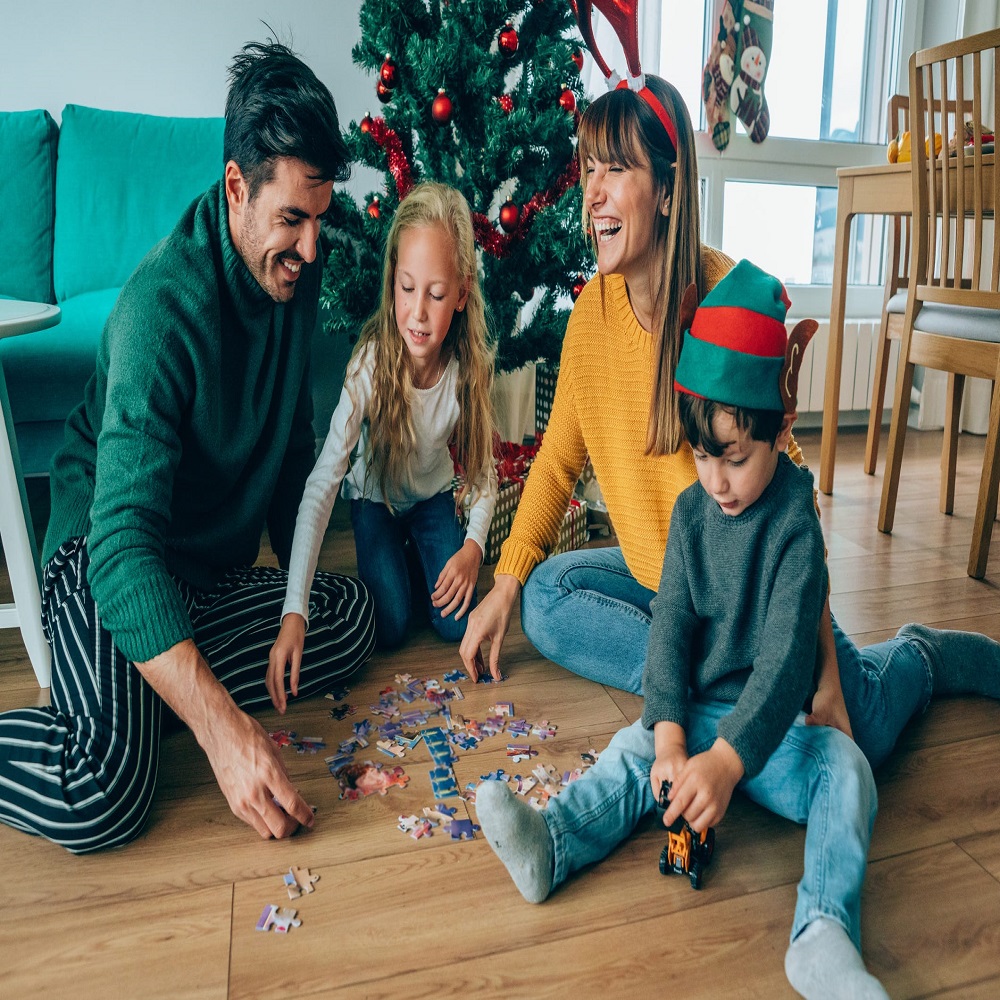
287, 649
457, 581
704, 787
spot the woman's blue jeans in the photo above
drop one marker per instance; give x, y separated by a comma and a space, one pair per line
817, 776
585, 611
432, 529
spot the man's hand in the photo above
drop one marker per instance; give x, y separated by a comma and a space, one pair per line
457, 581
489, 621
702, 792
246, 762
286, 651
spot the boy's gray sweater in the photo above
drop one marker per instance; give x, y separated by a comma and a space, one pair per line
737, 613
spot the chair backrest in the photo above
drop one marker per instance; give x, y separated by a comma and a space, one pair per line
957, 245
897, 266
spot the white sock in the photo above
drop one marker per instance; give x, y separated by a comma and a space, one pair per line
519, 836
823, 964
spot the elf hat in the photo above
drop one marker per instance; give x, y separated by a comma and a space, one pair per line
736, 349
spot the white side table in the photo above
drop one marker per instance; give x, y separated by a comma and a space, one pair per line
16, 530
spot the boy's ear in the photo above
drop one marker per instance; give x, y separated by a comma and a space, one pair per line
785, 434
689, 304
798, 341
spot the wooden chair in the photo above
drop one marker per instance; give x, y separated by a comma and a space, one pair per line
952, 316
896, 284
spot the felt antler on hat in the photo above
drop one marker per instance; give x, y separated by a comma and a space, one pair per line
736, 350
623, 16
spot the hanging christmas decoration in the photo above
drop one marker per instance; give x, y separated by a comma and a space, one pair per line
388, 73
374, 209
510, 216
366, 124
507, 39
383, 93
578, 59
441, 108
567, 99
506, 102
399, 166
578, 286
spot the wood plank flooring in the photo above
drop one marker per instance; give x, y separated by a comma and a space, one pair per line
173, 914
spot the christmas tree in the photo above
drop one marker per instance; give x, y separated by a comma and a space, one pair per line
483, 96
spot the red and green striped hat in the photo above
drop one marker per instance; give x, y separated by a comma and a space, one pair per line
735, 350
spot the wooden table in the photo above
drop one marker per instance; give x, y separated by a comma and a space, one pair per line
16, 531
879, 189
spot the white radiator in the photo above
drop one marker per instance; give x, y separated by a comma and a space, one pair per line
860, 345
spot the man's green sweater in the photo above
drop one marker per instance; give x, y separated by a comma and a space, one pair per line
195, 431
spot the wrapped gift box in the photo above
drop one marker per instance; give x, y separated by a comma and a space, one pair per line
573, 533
545, 392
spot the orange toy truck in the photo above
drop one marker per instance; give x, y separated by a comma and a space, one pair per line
687, 852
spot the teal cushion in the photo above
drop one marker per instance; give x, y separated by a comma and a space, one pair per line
27, 205
122, 184
47, 371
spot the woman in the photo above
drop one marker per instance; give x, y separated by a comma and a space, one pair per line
588, 610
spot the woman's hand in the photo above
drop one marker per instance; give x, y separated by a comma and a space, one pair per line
287, 650
456, 583
829, 709
489, 622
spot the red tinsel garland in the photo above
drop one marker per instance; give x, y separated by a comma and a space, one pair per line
399, 166
495, 243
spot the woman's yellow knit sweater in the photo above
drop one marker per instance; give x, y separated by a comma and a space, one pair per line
601, 408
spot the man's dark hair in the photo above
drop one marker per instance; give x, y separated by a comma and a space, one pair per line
278, 107
697, 415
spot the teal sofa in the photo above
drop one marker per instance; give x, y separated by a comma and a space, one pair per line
80, 205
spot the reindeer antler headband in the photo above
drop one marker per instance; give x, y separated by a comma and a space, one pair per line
623, 16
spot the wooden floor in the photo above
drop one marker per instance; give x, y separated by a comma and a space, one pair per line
173, 914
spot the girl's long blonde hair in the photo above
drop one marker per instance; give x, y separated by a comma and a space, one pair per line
391, 436
620, 127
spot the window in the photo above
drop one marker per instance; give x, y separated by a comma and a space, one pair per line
832, 68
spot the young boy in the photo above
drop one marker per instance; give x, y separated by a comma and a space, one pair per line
731, 657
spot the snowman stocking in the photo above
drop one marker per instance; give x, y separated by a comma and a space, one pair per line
746, 96
717, 76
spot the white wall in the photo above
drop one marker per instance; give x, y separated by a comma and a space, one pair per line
168, 57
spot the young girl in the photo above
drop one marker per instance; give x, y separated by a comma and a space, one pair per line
418, 381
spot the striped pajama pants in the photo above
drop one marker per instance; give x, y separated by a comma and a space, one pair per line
82, 772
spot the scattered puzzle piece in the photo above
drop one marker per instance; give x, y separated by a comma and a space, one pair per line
278, 919
455, 675
359, 780
463, 829
299, 882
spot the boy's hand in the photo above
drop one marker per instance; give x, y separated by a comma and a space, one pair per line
829, 709
457, 581
704, 787
287, 649
670, 742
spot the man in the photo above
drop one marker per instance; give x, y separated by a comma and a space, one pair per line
195, 432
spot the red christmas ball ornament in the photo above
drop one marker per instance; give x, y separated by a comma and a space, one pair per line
510, 216
383, 93
366, 124
578, 286
506, 102
388, 74
441, 108
507, 40
578, 59
375, 209
567, 99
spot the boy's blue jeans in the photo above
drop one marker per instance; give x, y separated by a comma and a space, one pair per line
585, 611
817, 776
433, 529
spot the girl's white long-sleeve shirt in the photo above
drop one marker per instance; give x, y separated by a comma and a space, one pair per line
430, 471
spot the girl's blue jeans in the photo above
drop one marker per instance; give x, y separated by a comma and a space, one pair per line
432, 529
585, 611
